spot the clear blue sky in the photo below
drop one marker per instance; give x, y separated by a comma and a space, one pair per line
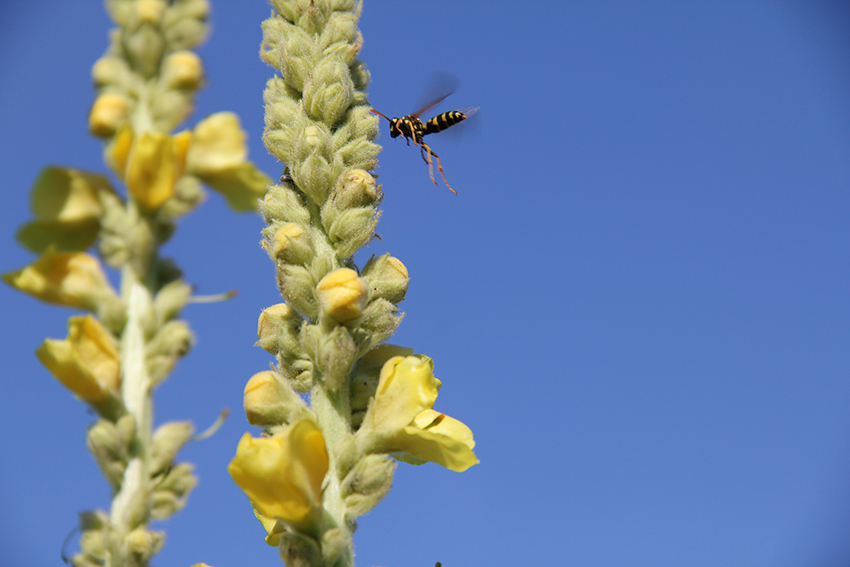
639, 300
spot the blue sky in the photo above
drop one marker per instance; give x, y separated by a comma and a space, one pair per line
639, 300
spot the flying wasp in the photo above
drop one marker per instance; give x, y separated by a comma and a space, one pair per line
412, 128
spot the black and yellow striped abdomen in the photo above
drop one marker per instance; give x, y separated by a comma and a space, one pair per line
442, 121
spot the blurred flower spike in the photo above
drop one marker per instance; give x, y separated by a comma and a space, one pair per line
402, 420
282, 475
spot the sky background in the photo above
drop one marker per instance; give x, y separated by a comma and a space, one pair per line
638, 302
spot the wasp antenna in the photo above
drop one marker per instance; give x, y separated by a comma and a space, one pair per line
372, 110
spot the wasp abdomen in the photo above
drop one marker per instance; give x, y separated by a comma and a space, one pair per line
443, 121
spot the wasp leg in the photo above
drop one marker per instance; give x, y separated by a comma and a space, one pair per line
427, 149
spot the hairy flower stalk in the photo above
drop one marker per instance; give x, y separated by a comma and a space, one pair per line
131, 338
322, 465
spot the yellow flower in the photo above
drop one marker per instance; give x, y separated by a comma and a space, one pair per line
401, 417
282, 475
108, 112
72, 279
87, 362
218, 156
67, 208
155, 162
342, 295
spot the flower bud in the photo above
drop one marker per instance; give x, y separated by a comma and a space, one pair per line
167, 440
367, 484
108, 112
330, 92
297, 287
277, 329
283, 204
335, 353
270, 400
386, 277
172, 490
154, 163
342, 295
170, 299
150, 11
292, 244
110, 451
171, 342
353, 229
140, 545
182, 70
335, 542
381, 318
109, 70
94, 533
355, 188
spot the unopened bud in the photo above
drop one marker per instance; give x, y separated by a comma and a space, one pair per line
356, 188
167, 440
182, 70
342, 295
141, 544
108, 112
367, 484
270, 400
387, 278
292, 244
278, 328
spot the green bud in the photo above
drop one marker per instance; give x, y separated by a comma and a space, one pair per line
271, 47
314, 139
144, 48
361, 154
299, 550
291, 244
126, 426
172, 490
341, 28
330, 91
165, 504
295, 61
367, 484
110, 451
355, 188
335, 542
314, 16
171, 342
313, 176
109, 70
283, 204
296, 286
140, 545
360, 76
381, 318
185, 32
270, 400
282, 109
94, 535
188, 195
353, 229
170, 300
167, 440
278, 328
299, 374
334, 356
386, 277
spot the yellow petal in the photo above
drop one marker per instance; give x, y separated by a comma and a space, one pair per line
118, 150
283, 474
440, 439
87, 362
64, 194
218, 144
241, 185
72, 279
152, 169
406, 387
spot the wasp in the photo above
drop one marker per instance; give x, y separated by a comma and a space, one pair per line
413, 129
